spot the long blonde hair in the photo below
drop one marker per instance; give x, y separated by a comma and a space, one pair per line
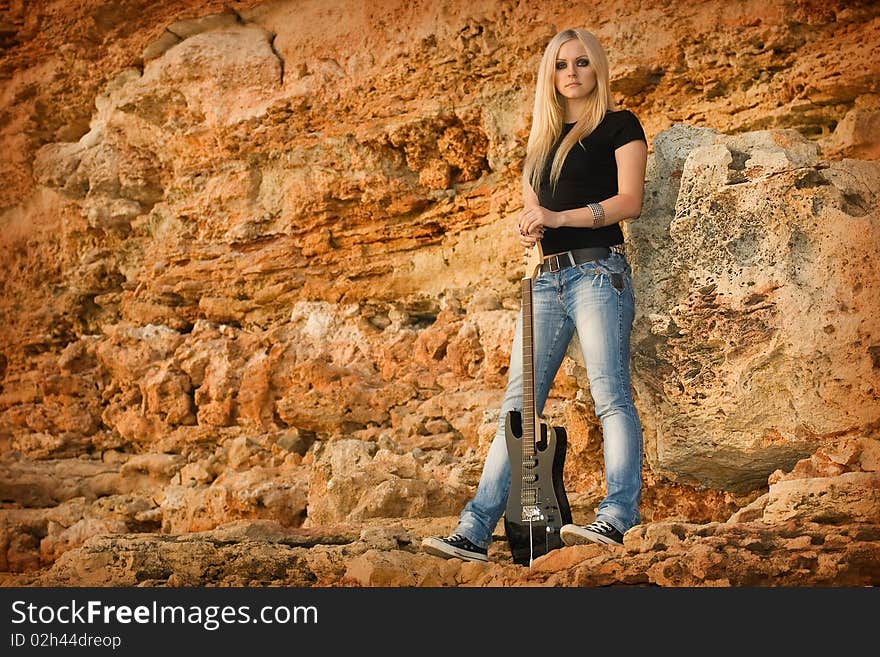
548, 113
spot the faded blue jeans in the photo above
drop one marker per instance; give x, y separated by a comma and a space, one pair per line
584, 298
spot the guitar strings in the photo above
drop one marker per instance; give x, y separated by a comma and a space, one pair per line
531, 545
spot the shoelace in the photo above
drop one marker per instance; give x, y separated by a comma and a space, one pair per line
602, 526
457, 540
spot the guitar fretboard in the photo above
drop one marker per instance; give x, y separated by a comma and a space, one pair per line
529, 491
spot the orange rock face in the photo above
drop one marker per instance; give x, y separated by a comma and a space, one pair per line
258, 266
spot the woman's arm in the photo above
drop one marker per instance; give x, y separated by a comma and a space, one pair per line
632, 161
530, 200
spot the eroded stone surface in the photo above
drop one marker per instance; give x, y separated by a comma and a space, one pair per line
259, 286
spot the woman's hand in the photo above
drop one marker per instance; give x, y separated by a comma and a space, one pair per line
528, 239
533, 220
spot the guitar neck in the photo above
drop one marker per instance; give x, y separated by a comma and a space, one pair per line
529, 414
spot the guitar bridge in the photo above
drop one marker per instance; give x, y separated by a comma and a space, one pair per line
531, 513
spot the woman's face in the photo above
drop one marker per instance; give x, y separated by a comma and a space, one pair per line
575, 76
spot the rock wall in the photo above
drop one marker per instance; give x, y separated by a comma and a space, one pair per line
258, 268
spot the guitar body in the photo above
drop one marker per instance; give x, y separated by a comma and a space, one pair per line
531, 539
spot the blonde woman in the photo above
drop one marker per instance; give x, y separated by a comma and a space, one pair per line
584, 174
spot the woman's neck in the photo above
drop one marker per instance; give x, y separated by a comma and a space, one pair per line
574, 109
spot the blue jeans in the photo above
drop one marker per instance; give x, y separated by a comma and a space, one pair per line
585, 298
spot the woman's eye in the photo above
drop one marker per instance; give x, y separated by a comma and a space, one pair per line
560, 66
583, 62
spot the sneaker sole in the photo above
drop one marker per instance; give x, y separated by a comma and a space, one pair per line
438, 548
582, 536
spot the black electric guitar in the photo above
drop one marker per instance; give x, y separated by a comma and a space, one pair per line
537, 506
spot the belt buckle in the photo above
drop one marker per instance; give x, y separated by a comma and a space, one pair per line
554, 264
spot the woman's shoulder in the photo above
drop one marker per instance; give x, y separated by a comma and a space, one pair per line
621, 115
623, 126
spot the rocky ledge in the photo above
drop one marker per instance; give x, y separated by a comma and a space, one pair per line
812, 528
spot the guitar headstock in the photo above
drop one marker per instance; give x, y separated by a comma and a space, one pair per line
534, 257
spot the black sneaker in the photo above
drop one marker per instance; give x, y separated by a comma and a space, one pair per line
454, 546
599, 531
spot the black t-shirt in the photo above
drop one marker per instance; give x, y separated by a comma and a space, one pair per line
589, 175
